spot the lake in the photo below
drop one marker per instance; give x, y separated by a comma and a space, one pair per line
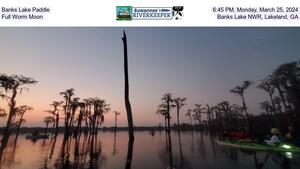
149, 152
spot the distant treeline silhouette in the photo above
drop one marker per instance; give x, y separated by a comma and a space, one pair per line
281, 110
61, 130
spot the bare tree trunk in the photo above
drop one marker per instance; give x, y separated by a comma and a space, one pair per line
6, 131
166, 130
169, 135
127, 102
129, 154
52, 130
178, 123
78, 128
247, 115
56, 124
275, 111
285, 106
18, 131
115, 123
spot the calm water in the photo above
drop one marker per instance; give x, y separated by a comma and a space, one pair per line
150, 152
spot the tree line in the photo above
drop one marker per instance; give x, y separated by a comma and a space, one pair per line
280, 110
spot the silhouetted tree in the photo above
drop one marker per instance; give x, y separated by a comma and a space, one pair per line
276, 80
67, 108
74, 105
20, 111
209, 115
266, 106
47, 121
286, 79
81, 117
179, 102
168, 104
116, 118
100, 107
87, 114
127, 102
55, 113
240, 91
12, 84
236, 116
268, 87
198, 110
128, 106
162, 111
189, 115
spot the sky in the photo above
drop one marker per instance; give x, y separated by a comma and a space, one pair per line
200, 64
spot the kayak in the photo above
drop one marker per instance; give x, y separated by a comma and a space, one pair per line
237, 135
282, 147
151, 132
35, 137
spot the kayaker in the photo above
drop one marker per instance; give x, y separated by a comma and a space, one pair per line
274, 138
290, 134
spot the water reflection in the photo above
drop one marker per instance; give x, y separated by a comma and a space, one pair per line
260, 164
85, 153
9, 154
180, 150
111, 150
129, 154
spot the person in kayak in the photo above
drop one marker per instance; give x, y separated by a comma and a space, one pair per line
274, 138
290, 134
291, 138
